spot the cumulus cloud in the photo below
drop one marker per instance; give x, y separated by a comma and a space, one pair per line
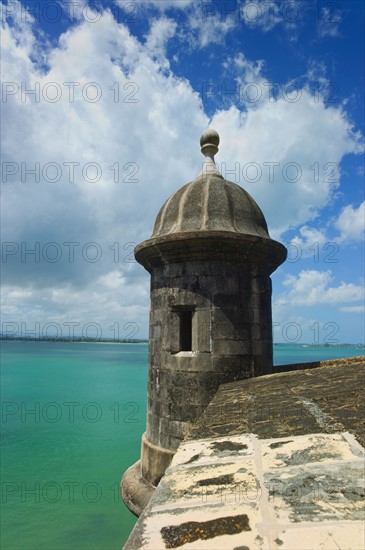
312, 288
89, 178
307, 243
108, 133
351, 223
348, 227
66, 311
119, 111
287, 153
160, 32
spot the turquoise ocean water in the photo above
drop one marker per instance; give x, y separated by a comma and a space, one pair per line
72, 419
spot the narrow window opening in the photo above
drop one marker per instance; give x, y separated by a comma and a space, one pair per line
186, 330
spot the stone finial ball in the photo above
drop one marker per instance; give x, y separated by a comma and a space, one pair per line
209, 136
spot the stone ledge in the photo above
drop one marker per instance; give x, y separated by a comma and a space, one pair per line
241, 492
271, 464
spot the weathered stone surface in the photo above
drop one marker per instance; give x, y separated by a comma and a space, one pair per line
180, 383
210, 203
326, 397
136, 491
258, 255
153, 457
297, 491
238, 492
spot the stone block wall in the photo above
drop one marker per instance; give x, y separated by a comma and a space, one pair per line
231, 340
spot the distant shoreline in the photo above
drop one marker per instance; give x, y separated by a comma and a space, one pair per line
72, 340
81, 340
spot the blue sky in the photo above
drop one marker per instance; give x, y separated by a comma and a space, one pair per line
103, 105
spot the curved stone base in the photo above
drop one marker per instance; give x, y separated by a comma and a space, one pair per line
154, 461
136, 491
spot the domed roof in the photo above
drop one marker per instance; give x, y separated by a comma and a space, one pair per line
210, 203
211, 218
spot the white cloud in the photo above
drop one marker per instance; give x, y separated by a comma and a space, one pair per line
249, 70
147, 123
206, 22
266, 15
207, 27
311, 236
19, 295
160, 32
132, 137
312, 288
162, 5
316, 71
351, 223
261, 14
307, 244
317, 81
78, 11
112, 303
287, 155
329, 21
251, 88
21, 21
353, 309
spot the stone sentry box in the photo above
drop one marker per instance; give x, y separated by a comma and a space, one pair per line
210, 257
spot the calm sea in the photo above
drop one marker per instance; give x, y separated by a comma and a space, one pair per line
72, 419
